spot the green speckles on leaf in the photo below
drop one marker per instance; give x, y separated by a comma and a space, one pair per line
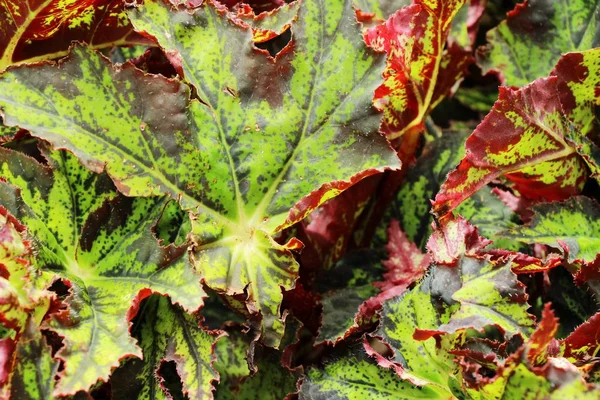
354, 377
529, 43
575, 223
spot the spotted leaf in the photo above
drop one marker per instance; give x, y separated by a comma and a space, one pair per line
524, 138
419, 73
33, 30
353, 376
269, 133
535, 34
167, 333
102, 245
572, 226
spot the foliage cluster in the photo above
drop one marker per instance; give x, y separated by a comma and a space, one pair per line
313, 199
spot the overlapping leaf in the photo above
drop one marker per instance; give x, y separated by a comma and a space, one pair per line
486, 289
274, 130
353, 376
419, 73
271, 381
167, 333
529, 43
419, 362
528, 137
572, 226
43, 29
344, 288
102, 245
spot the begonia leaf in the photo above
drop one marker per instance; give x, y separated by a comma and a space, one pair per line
257, 148
353, 376
167, 333
466, 21
487, 291
572, 226
270, 381
272, 133
534, 36
41, 29
583, 344
380, 9
419, 73
411, 206
344, 288
422, 363
529, 145
99, 242
34, 370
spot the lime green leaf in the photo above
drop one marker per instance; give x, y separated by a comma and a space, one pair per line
465, 23
486, 289
572, 226
529, 43
274, 130
354, 377
102, 244
167, 333
40, 30
420, 362
491, 216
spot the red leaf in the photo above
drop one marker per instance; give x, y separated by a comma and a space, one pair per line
34, 29
456, 238
583, 343
539, 343
406, 263
414, 38
522, 138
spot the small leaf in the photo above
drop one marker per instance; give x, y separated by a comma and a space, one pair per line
583, 344
405, 265
572, 226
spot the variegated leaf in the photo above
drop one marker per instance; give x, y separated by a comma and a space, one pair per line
101, 243
534, 36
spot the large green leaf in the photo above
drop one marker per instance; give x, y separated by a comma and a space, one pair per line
354, 377
167, 333
102, 244
258, 145
572, 226
529, 43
